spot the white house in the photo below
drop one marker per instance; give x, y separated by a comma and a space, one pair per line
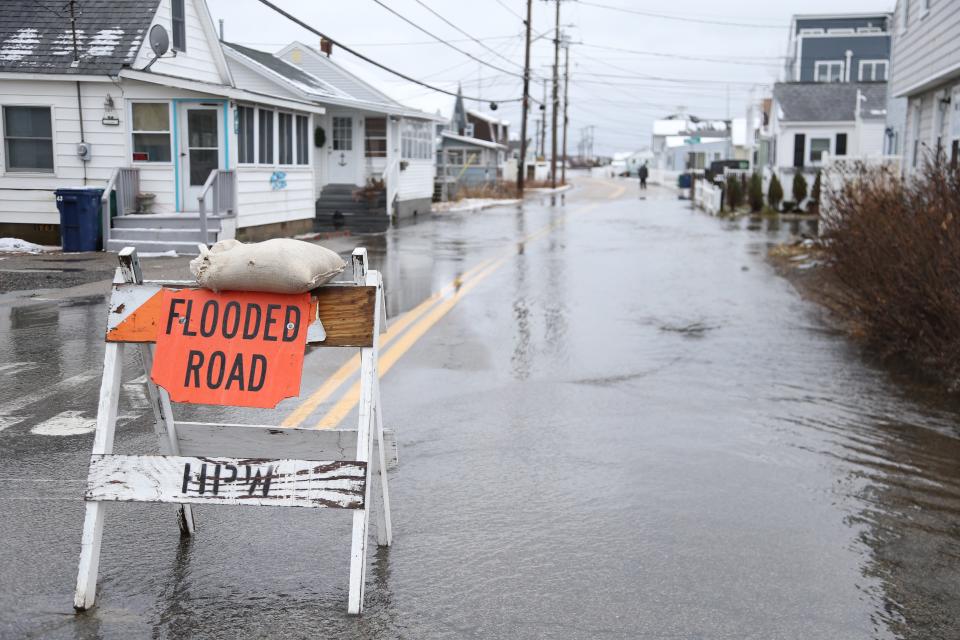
178, 127
371, 140
814, 122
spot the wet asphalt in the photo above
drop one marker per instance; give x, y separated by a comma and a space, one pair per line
630, 427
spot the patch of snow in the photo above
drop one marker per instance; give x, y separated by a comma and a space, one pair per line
135, 46
104, 42
19, 45
63, 45
159, 254
472, 204
16, 245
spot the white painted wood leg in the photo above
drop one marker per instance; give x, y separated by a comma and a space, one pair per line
164, 425
384, 524
368, 378
102, 443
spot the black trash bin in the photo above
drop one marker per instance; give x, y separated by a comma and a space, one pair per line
79, 218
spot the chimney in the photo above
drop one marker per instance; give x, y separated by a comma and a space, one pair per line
221, 29
326, 46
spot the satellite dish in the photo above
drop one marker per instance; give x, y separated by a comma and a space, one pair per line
159, 40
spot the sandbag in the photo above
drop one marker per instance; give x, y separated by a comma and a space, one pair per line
279, 265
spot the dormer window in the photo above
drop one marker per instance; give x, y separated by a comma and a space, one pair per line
179, 23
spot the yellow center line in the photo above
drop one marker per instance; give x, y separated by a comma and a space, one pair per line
390, 356
349, 400
351, 366
460, 286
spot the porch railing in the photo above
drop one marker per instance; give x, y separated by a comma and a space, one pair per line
220, 194
391, 178
126, 182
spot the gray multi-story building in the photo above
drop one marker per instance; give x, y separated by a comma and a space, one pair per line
926, 72
853, 47
833, 99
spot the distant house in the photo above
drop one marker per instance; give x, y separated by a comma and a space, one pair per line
178, 128
376, 161
471, 150
833, 101
815, 122
926, 71
684, 143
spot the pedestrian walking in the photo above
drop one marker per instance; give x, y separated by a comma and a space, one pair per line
643, 172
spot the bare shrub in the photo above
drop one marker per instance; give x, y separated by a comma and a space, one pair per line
893, 250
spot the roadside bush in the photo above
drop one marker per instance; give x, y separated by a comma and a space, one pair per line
814, 206
774, 193
734, 192
799, 189
755, 192
893, 249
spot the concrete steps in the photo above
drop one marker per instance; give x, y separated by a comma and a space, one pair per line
158, 233
338, 209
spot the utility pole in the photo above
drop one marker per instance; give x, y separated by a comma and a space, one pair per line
522, 168
556, 99
566, 100
543, 121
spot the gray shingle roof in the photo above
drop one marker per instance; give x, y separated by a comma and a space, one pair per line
308, 82
829, 102
35, 37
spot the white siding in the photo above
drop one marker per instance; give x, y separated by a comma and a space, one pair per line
416, 181
28, 198
197, 62
260, 204
930, 45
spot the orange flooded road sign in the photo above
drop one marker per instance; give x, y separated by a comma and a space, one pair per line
235, 348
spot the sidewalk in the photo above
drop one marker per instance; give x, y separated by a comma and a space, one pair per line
59, 276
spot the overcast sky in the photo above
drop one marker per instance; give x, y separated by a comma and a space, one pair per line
683, 60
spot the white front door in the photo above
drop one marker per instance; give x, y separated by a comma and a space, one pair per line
344, 160
201, 141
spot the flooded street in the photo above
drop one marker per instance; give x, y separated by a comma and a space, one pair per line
625, 425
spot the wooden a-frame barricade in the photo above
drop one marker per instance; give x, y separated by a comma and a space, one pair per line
204, 463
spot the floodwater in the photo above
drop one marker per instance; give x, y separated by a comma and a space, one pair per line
629, 427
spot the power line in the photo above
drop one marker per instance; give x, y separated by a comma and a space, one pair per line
379, 65
439, 39
458, 29
408, 43
680, 56
502, 4
665, 16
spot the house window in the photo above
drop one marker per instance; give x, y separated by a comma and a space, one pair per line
245, 135
179, 22
416, 141
375, 138
342, 133
828, 71
873, 71
28, 138
818, 147
285, 137
840, 148
265, 148
303, 140
151, 131
455, 156
799, 141
469, 130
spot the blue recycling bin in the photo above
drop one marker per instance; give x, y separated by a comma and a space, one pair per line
79, 218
